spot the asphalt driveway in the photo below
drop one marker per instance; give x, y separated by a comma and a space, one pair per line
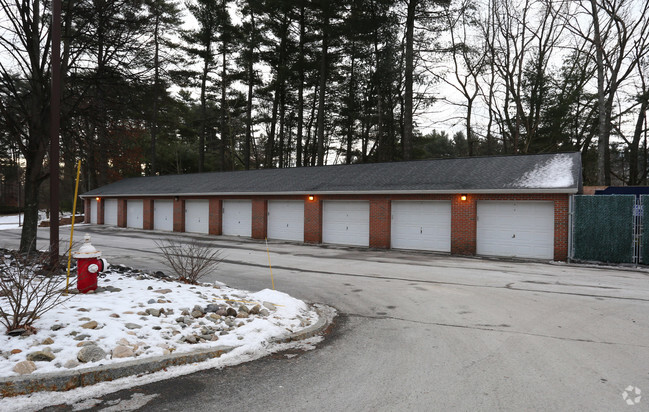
417, 331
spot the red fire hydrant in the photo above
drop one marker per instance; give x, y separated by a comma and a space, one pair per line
89, 263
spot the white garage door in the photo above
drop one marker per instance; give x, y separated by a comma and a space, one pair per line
286, 220
110, 212
519, 229
346, 222
134, 212
237, 217
197, 215
422, 225
93, 210
163, 215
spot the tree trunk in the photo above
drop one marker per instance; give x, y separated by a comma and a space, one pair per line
409, 73
300, 90
323, 83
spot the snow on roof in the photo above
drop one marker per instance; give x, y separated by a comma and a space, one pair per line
557, 172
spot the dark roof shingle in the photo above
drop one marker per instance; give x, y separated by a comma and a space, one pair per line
559, 173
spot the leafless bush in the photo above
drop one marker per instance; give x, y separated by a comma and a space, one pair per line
190, 260
29, 287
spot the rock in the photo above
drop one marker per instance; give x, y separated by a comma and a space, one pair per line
222, 312
85, 343
163, 301
180, 319
190, 339
151, 301
47, 341
242, 315
197, 313
153, 312
123, 352
240, 337
132, 326
185, 312
214, 317
160, 275
197, 308
41, 356
255, 310
90, 325
91, 353
212, 308
17, 332
207, 337
25, 367
156, 328
83, 310
264, 312
142, 313
244, 308
84, 319
72, 363
269, 306
215, 338
114, 315
149, 288
56, 327
123, 342
81, 337
15, 351
163, 291
231, 312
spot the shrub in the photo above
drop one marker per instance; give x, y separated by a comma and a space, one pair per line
29, 287
190, 260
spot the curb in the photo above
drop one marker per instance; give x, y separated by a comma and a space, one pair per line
64, 381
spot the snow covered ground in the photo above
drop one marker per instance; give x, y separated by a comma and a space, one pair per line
15, 221
135, 316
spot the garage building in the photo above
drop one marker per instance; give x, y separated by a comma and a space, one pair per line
514, 206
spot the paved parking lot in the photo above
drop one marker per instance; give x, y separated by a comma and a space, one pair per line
420, 331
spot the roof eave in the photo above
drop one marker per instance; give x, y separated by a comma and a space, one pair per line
569, 190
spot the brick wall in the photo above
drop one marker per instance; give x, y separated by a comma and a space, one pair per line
259, 218
121, 212
179, 215
86, 210
380, 210
215, 217
101, 207
147, 214
463, 216
313, 220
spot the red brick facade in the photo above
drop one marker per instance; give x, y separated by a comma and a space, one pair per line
463, 216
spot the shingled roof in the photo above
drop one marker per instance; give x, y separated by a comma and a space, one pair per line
543, 173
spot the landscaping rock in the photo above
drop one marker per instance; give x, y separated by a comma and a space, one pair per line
90, 325
25, 367
15, 351
197, 313
114, 315
151, 301
190, 339
264, 312
132, 326
163, 291
231, 312
81, 337
41, 356
153, 312
255, 310
56, 327
244, 308
72, 363
242, 315
269, 306
212, 308
91, 353
47, 341
17, 332
123, 352
222, 312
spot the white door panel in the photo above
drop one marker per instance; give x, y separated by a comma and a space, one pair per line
346, 222
163, 215
421, 225
237, 217
286, 220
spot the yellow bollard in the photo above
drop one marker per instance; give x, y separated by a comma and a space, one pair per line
74, 216
269, 266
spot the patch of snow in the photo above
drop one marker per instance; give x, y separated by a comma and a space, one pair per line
8, 222
251, 337
554, 174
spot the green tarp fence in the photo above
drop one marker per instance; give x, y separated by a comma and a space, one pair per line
603, 228
644, 243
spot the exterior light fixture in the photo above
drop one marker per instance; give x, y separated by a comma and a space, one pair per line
463, 198
176, 198
97, 199
311, 197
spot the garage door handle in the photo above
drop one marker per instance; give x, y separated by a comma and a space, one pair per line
514, 235
421, 230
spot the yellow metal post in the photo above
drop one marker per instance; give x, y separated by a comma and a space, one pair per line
74, 216
269, 266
